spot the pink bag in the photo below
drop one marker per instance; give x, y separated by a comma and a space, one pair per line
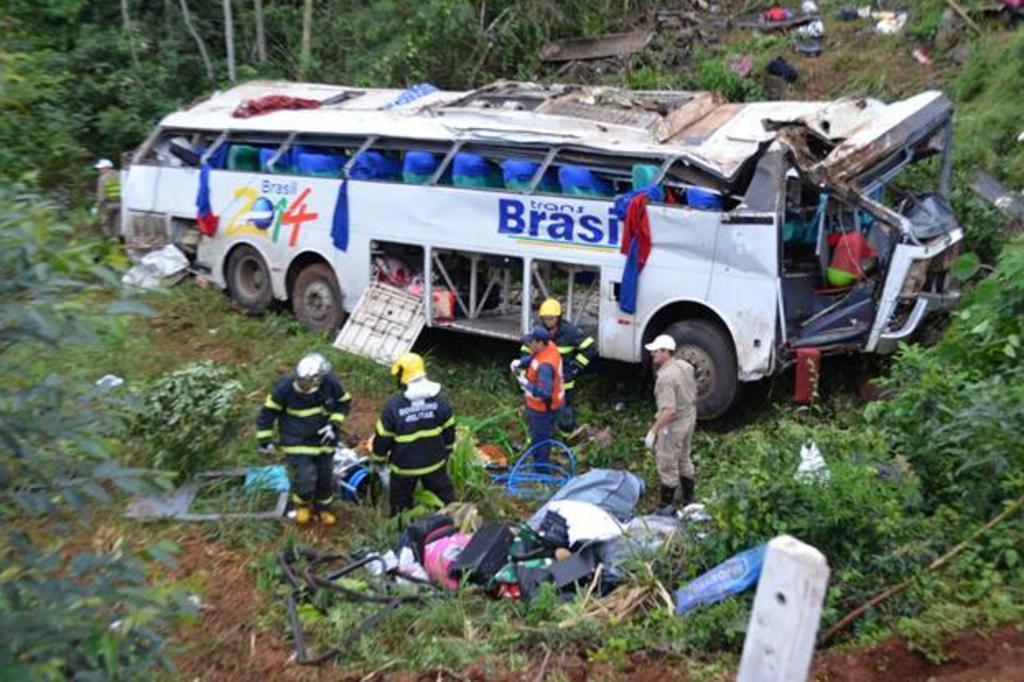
439, 555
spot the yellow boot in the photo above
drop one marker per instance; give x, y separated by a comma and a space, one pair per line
327, 518
303, 516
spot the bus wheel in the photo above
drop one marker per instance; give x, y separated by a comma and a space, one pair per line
249, 279
316, 299
707, 347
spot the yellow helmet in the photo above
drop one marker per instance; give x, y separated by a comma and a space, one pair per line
550, 308
408, 367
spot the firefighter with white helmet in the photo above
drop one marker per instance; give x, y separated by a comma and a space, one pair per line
415, 435
304, 413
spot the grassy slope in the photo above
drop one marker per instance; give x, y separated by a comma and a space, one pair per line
192, 324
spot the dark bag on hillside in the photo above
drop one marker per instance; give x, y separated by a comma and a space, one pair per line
485, 554
415, 534
553, 530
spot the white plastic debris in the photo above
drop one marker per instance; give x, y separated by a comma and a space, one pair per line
815, 29
812, 467
410, 568
809, 7
109, 381
890, 23
864, 12
154, 267
385, 563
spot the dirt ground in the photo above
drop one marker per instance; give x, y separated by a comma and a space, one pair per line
996, 656
228, 642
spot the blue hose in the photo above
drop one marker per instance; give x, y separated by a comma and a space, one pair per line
530, 478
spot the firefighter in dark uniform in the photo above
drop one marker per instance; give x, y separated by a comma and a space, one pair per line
415, 435
308, 408
578, 351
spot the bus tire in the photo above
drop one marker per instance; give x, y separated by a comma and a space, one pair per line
248, 279
707, 347
316, 299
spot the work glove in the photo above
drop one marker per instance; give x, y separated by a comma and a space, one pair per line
649, 439
327, 434
267, 449
524, 383
515, 365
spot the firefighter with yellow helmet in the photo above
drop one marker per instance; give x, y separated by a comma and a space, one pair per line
578, 351
415, 435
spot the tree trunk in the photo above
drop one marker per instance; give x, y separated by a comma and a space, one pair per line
307, 38
261, 37
199, 42
127, 22
229, 40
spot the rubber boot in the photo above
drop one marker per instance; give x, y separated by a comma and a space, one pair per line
687, 484
303, 515
327, 518
668, 494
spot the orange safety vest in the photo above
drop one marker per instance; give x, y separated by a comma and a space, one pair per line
548, 355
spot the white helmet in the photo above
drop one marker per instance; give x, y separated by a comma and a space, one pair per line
103, 164
310, 372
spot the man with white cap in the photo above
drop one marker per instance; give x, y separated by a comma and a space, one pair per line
108, 197
675, 393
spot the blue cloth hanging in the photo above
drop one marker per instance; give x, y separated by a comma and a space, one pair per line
339, 224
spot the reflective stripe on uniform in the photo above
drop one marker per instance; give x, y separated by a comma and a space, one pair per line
308, 412
306, 449
112, 190
271, 404
566, 349
422, 471
298, 500
425, 433
374, 457
569, 385
587, 343
345, 398
582, 360
337, 417
326, 500
265, 433
381, 431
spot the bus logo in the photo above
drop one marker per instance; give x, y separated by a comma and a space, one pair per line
551, 223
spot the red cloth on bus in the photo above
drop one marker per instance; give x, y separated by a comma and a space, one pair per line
638, 227
850, 249
269, 103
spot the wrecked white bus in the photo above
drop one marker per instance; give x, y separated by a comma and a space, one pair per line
483, 202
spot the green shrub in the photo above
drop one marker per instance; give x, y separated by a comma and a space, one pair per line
959, 407
185, 415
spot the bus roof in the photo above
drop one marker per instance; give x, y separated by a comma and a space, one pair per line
700, 127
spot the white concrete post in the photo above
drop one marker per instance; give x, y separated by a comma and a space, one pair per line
787, 607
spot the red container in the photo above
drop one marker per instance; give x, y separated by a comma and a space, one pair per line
808, 369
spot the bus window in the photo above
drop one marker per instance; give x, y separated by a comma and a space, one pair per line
375, 165
244, 157
518, 174
474, 170
419, 166
582, 181
318, 162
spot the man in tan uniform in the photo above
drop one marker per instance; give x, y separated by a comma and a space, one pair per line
675, 393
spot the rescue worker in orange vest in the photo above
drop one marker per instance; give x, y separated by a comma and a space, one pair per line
578, 350
542, 387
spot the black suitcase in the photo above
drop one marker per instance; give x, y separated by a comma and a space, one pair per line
485, 554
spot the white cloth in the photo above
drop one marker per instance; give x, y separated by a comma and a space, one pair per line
586, 522
155, 266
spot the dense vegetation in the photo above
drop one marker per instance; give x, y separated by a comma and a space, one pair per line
911, 475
